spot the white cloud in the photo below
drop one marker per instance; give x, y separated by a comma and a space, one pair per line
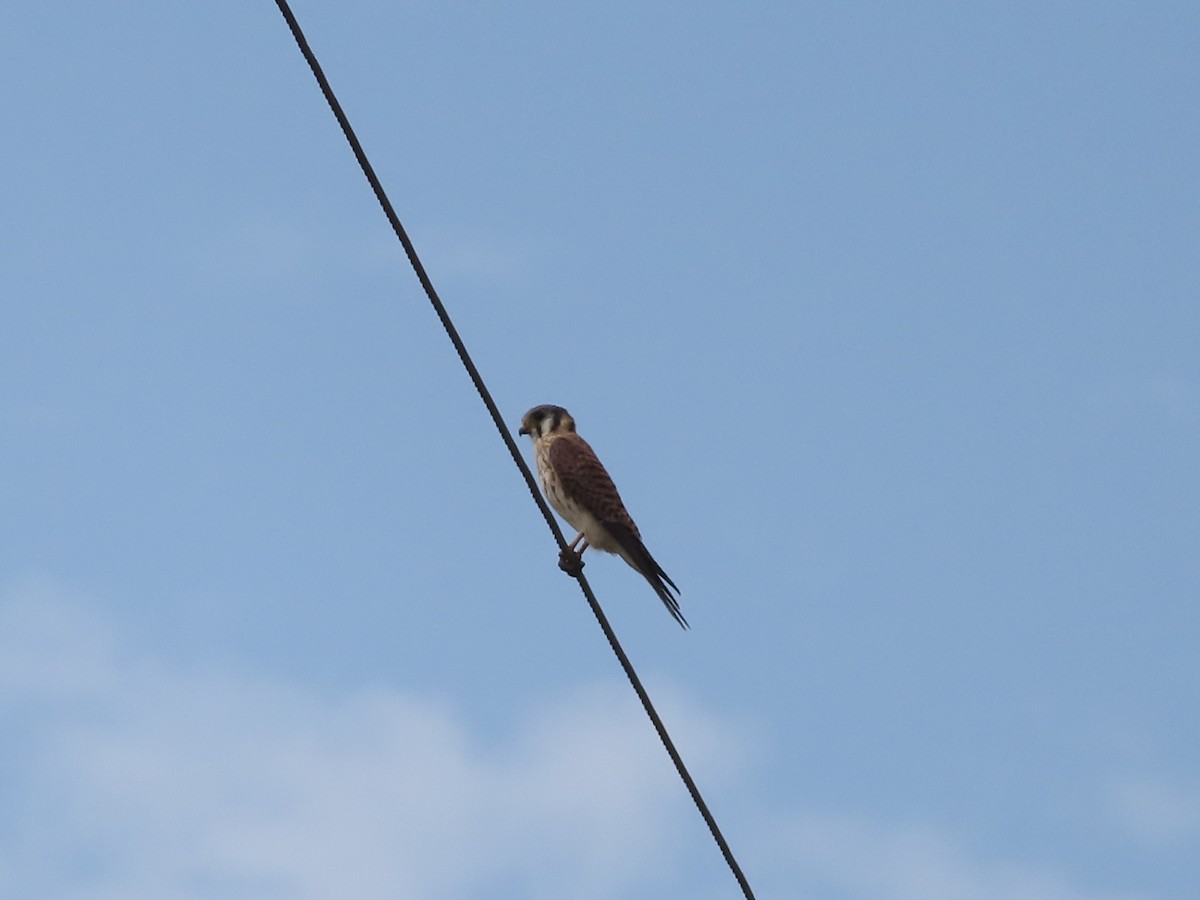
144, 781
127, 776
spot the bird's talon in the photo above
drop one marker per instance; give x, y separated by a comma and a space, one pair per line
571, 563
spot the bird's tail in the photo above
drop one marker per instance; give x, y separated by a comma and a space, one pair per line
636, 554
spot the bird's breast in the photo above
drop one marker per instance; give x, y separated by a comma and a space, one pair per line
564, 504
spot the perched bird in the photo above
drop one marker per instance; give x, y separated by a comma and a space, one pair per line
577, 485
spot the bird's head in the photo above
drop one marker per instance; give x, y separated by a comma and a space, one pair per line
545, 420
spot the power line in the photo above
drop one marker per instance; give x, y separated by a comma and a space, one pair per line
498, 420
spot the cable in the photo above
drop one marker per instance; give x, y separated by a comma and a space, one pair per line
498, 420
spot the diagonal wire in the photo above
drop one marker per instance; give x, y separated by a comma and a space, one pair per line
498, 420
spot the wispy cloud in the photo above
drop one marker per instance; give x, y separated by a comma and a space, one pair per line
128, 776
1166, 397
139, 780
1154, 810
849, 856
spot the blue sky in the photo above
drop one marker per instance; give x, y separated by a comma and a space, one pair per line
883, 316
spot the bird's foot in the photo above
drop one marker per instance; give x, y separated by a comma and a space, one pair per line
571, 563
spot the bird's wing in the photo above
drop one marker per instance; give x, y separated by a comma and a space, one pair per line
584, 477
637, 554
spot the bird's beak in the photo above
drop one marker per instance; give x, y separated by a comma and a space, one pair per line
522, 430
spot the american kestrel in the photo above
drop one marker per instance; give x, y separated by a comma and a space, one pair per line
577, 485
